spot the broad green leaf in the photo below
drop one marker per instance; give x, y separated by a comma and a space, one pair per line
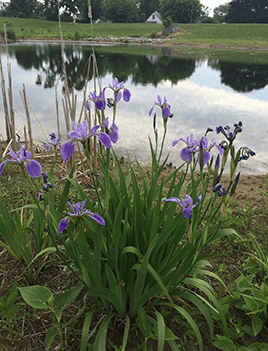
50, 336
257, 324
64, 300
224, 343
36, 296
252, 305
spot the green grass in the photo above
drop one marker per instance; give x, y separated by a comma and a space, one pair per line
224, 34
35, 28
211, 34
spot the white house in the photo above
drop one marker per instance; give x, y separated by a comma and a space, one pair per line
154, 18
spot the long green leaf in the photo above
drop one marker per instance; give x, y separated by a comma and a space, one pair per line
160, 331
100, 342
190, 320
85, 330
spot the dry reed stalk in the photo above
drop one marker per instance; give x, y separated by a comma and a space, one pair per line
24, 100
57, 111
38, 120
6, 149
19, 113
25, 137
7, 119
12, 119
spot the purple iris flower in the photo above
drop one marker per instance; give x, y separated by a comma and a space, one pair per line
78, 212
205, 148
191, 147
197, 145
187, 205
22, 157
164, 106
113, 130
99, 100
117, 87
81, 134
53, 141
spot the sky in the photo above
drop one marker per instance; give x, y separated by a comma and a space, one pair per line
213, 3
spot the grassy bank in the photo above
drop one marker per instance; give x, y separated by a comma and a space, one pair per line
213, 34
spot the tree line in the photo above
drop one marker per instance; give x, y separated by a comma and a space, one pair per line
123, 11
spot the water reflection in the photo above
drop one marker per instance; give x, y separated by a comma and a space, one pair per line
196, 89
144, 69
241, 77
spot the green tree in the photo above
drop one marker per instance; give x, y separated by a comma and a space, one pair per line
147, 7
22, 8
248, 11
220, 12
97, 9
121, 11
181, 11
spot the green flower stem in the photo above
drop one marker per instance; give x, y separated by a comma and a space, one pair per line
54, 163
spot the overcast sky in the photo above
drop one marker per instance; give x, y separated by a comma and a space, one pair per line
213, 3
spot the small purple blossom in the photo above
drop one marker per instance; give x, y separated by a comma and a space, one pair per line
53, 141
113, 130
245, 153
99, 100
226, 131
165, 107
77, 212
219, 190
187, 205
22, 157
47, 185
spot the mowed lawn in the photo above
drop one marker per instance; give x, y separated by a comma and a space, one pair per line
221, 34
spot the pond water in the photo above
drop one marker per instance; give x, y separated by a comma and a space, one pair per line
206, 88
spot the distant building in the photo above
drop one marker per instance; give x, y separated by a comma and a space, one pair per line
154, 18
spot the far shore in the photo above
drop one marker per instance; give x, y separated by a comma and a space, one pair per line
148, 41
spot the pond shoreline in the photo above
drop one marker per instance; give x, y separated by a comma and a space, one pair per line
148, 41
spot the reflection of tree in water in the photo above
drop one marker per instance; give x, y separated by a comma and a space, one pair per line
143, 69
242, 77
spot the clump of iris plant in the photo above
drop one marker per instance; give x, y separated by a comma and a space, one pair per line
23, 158
77, 213
80, 133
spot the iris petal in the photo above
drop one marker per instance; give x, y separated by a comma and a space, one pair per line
126, 95
33, 168
2, 165
64, 223
105, 140
67, 149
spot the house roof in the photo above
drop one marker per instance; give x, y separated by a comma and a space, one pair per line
153, 19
